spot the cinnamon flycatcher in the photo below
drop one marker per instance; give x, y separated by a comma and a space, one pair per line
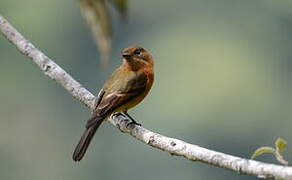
127, 86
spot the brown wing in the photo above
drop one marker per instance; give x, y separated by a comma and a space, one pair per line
99, 97
135, 86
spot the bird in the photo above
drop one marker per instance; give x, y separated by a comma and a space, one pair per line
125, 88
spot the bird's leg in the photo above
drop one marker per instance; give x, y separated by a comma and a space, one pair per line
133, 121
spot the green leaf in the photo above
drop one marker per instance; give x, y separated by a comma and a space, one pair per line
262, 150
281, 159
280, 145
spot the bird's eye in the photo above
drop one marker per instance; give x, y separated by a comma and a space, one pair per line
137, 51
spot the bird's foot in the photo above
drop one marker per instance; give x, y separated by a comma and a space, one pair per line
117, 114
132, 119
126, 115
134, 122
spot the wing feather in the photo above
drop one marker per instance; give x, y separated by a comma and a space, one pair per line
133, 87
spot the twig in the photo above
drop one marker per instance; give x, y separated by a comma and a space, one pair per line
170, 145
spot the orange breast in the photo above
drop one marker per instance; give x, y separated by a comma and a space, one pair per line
139, 98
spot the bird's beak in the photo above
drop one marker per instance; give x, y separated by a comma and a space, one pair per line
126, 55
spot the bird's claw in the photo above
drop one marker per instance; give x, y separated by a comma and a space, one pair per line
133, 123
125, 115
117, 114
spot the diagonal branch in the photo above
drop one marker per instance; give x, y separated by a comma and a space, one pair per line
170, 145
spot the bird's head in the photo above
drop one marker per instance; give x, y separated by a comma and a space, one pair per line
137, 57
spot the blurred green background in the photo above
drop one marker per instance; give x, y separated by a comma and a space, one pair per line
223, 81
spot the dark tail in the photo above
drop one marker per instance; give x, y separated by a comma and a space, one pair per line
85, 140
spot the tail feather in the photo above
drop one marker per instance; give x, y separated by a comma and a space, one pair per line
84, 141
